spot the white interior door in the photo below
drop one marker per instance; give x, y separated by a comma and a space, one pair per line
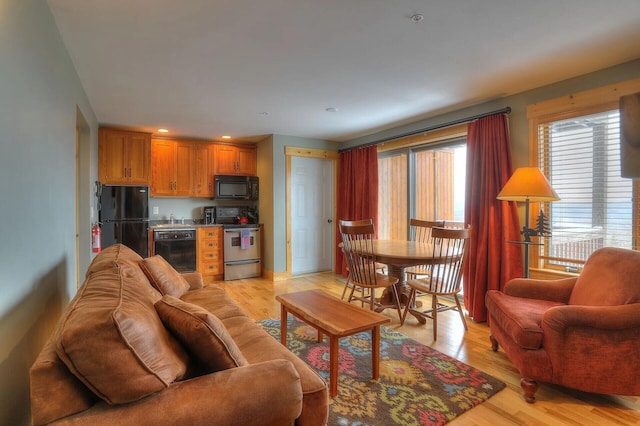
311, 215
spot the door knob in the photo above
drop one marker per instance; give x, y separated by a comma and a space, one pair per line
330, 221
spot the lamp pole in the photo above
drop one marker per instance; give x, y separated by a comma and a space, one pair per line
527, 238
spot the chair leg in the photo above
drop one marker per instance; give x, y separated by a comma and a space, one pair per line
346, 285
353, 288
372, 298
464, 322
434, 315
396, 296
529, 387
410, 302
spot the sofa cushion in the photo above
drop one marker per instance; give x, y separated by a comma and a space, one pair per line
201, 333
114, 256
164, 277
609, 278
112, 339
520, 318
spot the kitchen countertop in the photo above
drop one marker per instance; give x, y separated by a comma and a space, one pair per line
177, 226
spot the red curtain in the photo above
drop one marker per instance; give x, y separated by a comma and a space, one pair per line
357, 191
492, 259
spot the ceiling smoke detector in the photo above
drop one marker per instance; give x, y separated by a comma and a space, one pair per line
417, 17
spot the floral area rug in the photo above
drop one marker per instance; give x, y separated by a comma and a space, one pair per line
418, 385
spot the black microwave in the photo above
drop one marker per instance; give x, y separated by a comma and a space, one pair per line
229, 187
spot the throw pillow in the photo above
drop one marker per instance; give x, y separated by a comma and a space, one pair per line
164, 277
112, 339
202, 333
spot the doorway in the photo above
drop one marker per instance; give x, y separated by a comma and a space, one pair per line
311, 211
84, 215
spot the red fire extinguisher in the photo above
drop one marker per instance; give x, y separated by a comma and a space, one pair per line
96, 238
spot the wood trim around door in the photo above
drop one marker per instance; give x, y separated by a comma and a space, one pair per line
310, 153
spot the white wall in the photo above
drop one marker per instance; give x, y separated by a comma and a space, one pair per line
40, 95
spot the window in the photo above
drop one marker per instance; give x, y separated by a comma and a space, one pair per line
424, 181
577, 146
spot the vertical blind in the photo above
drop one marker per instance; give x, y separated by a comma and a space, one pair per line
581, 158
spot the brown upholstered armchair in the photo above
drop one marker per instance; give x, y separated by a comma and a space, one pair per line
582, 332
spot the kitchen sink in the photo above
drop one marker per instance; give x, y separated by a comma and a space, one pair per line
173, 226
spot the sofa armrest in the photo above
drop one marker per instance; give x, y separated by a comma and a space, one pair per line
594, 348
605, 318
551, 290
194, 279
266, 393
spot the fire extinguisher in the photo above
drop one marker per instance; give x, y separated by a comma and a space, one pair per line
96, 238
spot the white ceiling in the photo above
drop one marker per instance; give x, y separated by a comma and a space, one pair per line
206, 68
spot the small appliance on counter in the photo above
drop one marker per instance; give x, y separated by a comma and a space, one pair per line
230, 215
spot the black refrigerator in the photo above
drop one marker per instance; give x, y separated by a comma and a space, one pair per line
124, 217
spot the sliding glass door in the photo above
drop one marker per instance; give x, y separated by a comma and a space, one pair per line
425, 182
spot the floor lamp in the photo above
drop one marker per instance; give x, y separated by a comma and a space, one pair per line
527, 184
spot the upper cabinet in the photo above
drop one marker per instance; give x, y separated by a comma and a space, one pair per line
235, 160
123, 157
180, 169
172, 168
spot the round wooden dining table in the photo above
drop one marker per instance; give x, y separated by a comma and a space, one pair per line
399, 255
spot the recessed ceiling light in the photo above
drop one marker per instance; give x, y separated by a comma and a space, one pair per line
417, 17
163, 130
226, 137
331, 109
264, 113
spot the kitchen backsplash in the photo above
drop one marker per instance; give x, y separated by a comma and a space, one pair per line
187, 208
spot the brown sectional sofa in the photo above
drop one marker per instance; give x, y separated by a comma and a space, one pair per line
142, 344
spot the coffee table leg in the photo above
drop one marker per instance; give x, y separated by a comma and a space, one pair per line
375, 352
283, 325
333, 365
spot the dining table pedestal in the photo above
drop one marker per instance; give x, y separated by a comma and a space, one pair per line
399, 255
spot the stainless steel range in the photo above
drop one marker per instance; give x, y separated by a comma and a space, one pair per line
242, 252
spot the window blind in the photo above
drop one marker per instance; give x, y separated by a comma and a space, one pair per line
581, 158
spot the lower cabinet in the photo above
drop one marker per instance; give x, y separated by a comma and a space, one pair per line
209, 257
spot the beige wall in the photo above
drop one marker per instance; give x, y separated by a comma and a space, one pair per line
41, 102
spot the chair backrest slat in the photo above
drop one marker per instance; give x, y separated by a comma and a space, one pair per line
420, 230
451, 246
357, 245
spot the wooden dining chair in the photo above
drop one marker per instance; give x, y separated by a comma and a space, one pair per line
420, 231
450, 248
357, 245
381, 267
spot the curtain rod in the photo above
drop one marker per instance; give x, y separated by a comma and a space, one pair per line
506, 110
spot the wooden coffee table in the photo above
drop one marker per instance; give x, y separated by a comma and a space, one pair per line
335, 318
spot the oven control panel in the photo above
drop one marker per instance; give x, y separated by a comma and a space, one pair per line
175, 235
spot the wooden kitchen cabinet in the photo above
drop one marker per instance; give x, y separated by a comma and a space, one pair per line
209, 256
202, 171
123, 157
235, 160
180, 169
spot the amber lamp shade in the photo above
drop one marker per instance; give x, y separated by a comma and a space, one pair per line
528, 183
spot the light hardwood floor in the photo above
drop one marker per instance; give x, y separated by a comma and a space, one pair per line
555, 405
